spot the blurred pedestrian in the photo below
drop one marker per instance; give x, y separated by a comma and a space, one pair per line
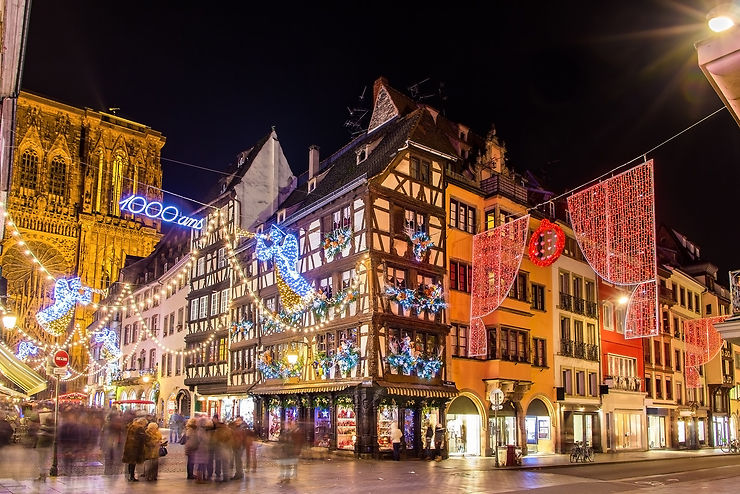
429, 438
201, 454
238, 439
191, 444
439, 439
110, 442
133, 449
209, 428
175, 421
152, 443
6, 430
44, 441
396, 436
250, 447
222, 442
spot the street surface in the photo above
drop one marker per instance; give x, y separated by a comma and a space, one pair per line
331, 474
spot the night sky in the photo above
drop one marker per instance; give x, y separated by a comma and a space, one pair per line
574, 88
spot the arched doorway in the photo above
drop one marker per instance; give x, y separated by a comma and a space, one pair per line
464, 427
507, 426
538, 426
183, 402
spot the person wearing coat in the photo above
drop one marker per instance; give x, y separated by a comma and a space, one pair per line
190, 440
133, 448
202, 452
152, 441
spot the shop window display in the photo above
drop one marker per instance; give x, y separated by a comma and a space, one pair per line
387, 414
346, 426
291, 416
322, 426
408, 428
274, 423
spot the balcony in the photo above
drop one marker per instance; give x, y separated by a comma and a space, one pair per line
579, 349
623, 383
579, 306
665, 295
592, 310
504, 186
566, 301
132, 376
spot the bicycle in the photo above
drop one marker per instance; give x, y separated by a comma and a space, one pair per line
733, 446
581, 453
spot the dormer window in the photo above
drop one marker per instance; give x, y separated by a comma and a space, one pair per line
312, 185
281, 216
361, 155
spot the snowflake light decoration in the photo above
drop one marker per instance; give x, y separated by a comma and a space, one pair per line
26, 349
55, 319
614, 224
497, 255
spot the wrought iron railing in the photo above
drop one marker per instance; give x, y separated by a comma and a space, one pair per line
566, 301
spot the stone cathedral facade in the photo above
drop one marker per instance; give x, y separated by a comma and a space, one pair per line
71, 167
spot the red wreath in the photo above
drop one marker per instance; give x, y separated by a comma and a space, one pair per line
538, 251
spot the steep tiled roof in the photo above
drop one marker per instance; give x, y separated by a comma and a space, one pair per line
342, 168
237, 169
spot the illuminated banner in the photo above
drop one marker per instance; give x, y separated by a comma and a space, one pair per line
156, 210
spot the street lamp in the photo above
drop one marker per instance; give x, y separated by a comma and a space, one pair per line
723, 17
623, 299
9, 320
497, 402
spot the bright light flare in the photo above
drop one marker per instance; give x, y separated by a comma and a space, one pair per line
720, 23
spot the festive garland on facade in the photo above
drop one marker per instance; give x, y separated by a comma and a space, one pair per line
241, 328
407, 360
421, 242
278, 369
345, 401
336, 241
321, 401
347, 357
425, 297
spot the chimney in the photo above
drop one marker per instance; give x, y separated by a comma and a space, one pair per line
313, 161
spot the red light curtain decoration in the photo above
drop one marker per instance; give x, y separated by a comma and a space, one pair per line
703, 342
497, 255
614, 224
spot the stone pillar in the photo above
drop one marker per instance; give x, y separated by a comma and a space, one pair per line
366, 400
333, 424
418, 435
521, 425
443, 421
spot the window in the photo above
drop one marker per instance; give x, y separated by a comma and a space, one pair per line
201, 266
677, 360
649, 386
155, 324
667, 354
593, 387
619, 318
581, 383
668, 389
135, 333
538, 297
564, 283
222, 257
459, 340
420, 170
414, 221
462, 216
657, 352
325, 286
565, 329
608, 316
519, 288
214, 303
460, 276
737, 360
178, 364
224, 301
396, 277
539, 347
679, 394
677, 326
163, 366
169, 364
203, 307
590, 290
568, 381
152, 358
491, 219
697, 306
658, 388
180, 314
683, 297
172, 322
621, 366
709, 309
127, 330
578, 330
58, 177
165, 326
29, 169
514, 344
591, 334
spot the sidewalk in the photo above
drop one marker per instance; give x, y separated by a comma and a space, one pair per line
563, 460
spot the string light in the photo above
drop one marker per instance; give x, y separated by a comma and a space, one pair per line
498, 253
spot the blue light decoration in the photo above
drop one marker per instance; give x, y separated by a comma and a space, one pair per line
156, 210
241, 328
278, 369
55, 319
406, 359
26, 349
428, 367
348, 356
336, 241
424, 298
282, 248
421, 242
109, 339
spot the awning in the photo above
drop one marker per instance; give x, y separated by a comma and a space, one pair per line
293, 388
424, 391
18, 372
4, 390
134, 402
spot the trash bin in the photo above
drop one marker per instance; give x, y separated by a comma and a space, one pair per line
510, 455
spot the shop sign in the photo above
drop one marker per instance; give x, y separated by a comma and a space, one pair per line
156, 210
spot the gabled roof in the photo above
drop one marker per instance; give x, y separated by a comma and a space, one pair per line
237, 169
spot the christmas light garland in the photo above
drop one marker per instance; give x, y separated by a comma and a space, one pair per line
543, 251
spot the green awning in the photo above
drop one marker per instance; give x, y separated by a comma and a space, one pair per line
18, 372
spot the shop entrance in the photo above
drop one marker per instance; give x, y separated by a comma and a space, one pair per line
537, 422
720, 430
656, 431
463, 427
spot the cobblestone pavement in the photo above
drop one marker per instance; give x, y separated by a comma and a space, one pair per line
336, 474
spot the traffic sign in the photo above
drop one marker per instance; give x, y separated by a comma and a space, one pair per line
59, 371
61, 358
497, 397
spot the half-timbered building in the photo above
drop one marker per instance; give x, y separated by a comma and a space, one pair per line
366, 347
